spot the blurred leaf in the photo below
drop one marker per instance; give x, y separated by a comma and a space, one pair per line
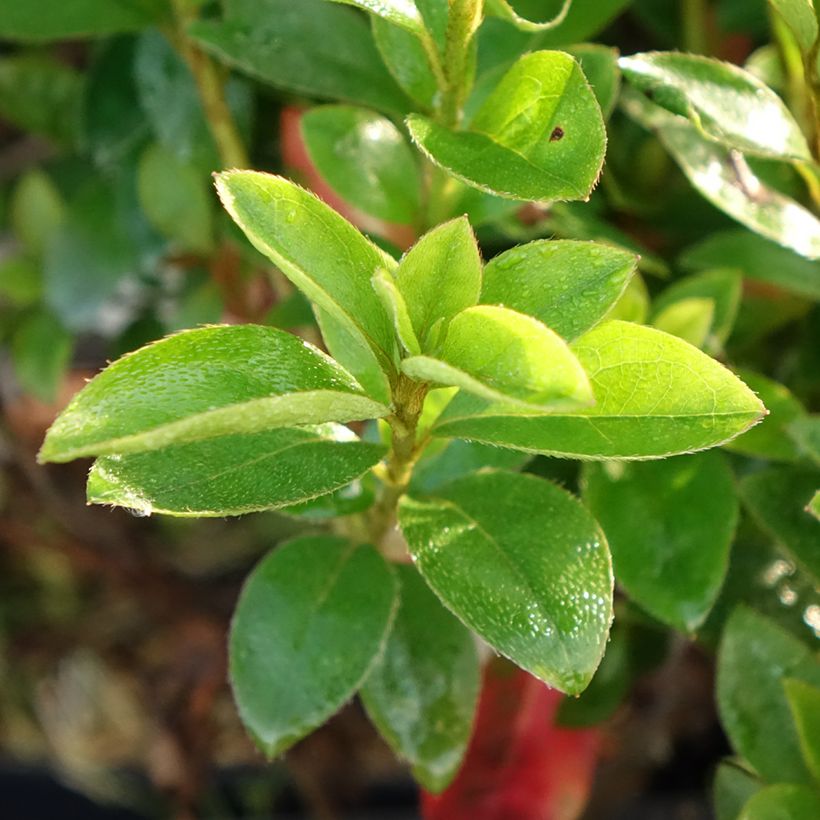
600, 66
688, 319
399, 12
732, 788
422, 692
805, 432
804, 702
353, 498
405, 58
633, 304
799, 16
521, 562
783, 801
21, 281
41, 351
36, 211
670, 525
317, 610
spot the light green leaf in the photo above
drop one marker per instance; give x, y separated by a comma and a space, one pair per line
56, 20
689, 319
670, 525
721, 287
732, 789
406, 59
204, 383
633, 304
754, 658
21, 281
176, 199
36, 210
813, 507
726, 103
783, 801
538, 136
502, 9
569, 286
233, 474
776, 497
316, 248
655, 396
385, 286
805, 432
316, 610
521, 562
422, 693
799, 16
40, 352
804, 702
365, 159
402, 13
439, 277
311, 47
502, 355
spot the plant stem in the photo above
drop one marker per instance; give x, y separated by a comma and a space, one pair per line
459, 59
211, 85
695, 39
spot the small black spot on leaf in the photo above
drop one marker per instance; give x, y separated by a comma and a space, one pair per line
557, 134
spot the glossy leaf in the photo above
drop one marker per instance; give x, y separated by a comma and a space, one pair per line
522, 563
317, 610
40, 352
569, 286
233, 474
422, 692
783, 801
402, 13
755, 657
406, 59
538, 136
316, 248
439, 277
204, 383
804, 702
732, 789
36, 211
365, 159
655, 396
312, 48
670, 525
503, 355
777, 497
725, 102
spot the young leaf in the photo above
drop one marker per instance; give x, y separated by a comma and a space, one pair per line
502, 355
316, 248
385, 286
804, 702
204, 383
316, 610
755, 656
365, 159
569, 286
439, 277
40, 352
521, 562
670, 525
422, 692
688, 319
312, 48
777, 497
233, 474
538, 136
655, 396
783, 801
725, 102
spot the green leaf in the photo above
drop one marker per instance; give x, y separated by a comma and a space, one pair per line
316, 610
502, 355
670, 525
759, 259
521, 562
201, 384
721, 287
770, 439
422, 693
783, 801
41, 95
56, 20
233, 474
754, 658
312, 48
655, 396
804, 702
365, 159
583, 20
569, 286
439, 277
385, 286
799, 16
777, 497
538, 136
805, 432
600, 66
726, 103
21, 281
41, 351
689, 319
316, 248
732, 789
36, 211
176, 199
399, 12
813, 507
351, 499
406, 60
633, 304
502, 9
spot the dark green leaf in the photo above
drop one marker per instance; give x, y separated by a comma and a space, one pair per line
732, 789
600, 65
669, 525
783, 801
806, 433
201, 384
569, 286
400, 12
41, 351
521, 562
316, 610
804, 702
656, 396
422, 693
